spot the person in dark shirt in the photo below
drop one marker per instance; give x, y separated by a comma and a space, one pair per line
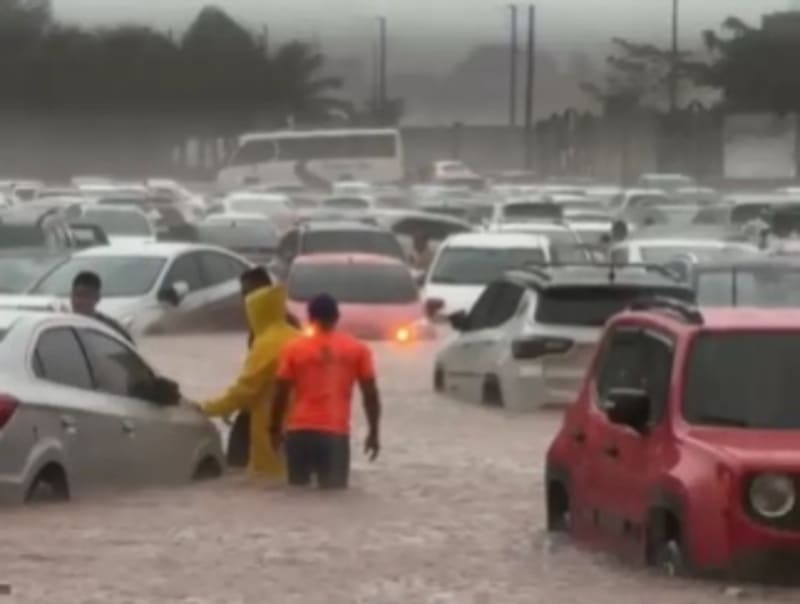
239, 438
86, 292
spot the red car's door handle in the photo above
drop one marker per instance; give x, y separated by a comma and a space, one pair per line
612, 451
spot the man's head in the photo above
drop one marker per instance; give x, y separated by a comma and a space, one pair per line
85, 295
323, 311
420, 242
253, 279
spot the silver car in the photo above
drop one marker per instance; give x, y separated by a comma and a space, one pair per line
80, 410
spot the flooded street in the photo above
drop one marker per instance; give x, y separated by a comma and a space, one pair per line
451, 513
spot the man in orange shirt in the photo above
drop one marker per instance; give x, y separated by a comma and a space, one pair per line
321, 370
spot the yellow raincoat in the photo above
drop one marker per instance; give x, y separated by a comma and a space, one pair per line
266, 313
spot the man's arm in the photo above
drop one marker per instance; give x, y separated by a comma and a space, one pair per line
372, 409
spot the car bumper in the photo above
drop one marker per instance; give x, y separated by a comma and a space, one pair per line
530, 386
774, 565
12, 491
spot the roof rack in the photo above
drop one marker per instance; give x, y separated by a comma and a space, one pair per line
687, 312
540, 268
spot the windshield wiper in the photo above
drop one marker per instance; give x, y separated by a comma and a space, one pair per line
718, 420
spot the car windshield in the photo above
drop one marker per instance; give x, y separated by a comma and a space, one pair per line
593, 305
18, 273
662, 254
767, 286
480, 266
118, 223
257, 206
532, 211
346, 203
240, 235
744, 379
355, 241
21, 235
353, 283
122, 276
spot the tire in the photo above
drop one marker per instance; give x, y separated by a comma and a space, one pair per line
669, 559
208, 469
438, 380
49, 486
238, 451
558, 508
492, 393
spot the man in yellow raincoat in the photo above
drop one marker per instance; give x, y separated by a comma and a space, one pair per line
266, 314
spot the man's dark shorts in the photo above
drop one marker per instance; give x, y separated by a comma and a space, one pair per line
322, 454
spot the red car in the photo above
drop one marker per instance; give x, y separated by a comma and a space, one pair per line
683, 448
378, 299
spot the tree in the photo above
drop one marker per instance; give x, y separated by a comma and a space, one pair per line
753, 67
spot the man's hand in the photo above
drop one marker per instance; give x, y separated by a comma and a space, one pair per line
372, 446
276, 437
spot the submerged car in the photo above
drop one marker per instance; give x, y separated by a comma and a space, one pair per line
100, 416
378, 299
527, 341
683, 447
159, 287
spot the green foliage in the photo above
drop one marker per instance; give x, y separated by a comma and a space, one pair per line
753, 67
218, 71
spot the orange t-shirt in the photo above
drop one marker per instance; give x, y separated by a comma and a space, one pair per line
323, 369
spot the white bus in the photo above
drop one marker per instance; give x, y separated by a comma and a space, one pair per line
314, 158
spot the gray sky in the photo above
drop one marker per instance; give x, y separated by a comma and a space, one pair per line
351, 25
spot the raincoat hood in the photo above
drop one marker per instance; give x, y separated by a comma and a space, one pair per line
266, 307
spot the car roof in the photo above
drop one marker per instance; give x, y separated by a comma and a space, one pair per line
682, 233
339, 225
757, 261
347, 258
595, 275
154, 250
726, 319
542, 226
494, 240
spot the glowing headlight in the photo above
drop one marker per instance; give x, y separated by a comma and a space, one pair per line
772, 496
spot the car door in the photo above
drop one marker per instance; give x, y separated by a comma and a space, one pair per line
185, 269
455, 358
223, 309
619, 366
158, 447
490, 346
634, 458
89, 431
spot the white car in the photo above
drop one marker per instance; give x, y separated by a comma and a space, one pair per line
527, 341
180, 195
161, 287
465, 263
525, 210
564, 245
275, 206
652, 247
349, 203
352, 188
80, 410
121, 224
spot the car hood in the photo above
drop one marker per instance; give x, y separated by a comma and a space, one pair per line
131, 239
34, 302
455, 297
778, 449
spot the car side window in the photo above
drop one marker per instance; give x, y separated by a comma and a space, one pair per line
116, 368
59, 358
657, 369
480, 314
621, 364
220, 268
506, 302
186, 268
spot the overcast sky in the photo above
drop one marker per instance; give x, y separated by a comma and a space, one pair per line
565, 23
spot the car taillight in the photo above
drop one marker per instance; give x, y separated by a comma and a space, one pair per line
403, 335
8, 405
433, 306
535, 347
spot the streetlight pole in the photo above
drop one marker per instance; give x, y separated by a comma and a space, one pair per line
529, 85
382, 60
512, 94
673, 75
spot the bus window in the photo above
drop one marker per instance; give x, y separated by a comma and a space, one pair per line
254, 152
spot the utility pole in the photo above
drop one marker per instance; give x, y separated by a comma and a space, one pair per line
512, 94
673, 73
529, 86
382, 62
